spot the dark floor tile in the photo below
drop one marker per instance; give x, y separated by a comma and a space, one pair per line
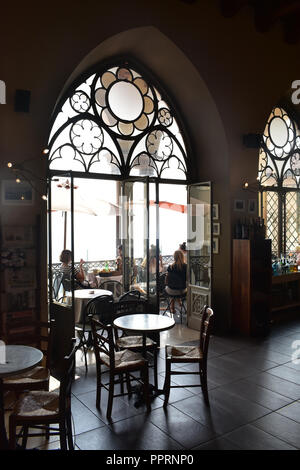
267, 354
84, 382
257, 394
251, 359
251, 438
275, 345
121, 408
226, 412
217, 444
276, 384
286, 373
84, 419
100, 439
291, 411
232, 365
281, 427
180, 427
140, 433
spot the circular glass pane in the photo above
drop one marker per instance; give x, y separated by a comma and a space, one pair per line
278, 132
125, 101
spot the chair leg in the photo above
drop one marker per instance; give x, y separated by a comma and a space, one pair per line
203, 379
110, 395
121, 384
129, 390
25, 436
155, 368
167, 382
12, 433
69, 431
145, 380
98, 392
63, 435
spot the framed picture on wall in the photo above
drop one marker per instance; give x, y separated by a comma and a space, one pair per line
215, 211
239, 205
215, 246
216, 228
17, 194
252, 206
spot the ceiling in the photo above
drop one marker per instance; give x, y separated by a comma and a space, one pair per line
267, 13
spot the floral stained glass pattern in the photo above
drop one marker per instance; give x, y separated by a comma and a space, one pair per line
117, 122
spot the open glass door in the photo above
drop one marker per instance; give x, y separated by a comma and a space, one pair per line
140, 240
60, 237
199, 246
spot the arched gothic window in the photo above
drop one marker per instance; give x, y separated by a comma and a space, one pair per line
279, 178
115, 121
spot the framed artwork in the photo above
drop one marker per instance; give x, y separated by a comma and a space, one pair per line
215, 211
21, 235
239, 205
215, 246
17, 194
216, 228
252, 206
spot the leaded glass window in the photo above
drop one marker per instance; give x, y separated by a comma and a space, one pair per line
279, 169
115, 121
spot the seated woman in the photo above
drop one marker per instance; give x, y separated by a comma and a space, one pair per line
176, 277
152, 263
66, 269
182, 247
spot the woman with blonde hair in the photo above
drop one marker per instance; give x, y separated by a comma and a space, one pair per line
176, 277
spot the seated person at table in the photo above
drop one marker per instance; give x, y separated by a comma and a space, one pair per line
182, 247
152, 264
176, 277
66, 269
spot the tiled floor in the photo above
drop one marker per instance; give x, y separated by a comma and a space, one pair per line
254, 401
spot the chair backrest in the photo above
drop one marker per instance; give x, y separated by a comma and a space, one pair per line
130, 306
205, 329
44, 336
113, 286
67, 379
101, 307
103, 341
56, 285
66, 282
130, 295
162, 283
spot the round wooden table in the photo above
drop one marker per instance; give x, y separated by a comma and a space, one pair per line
18, 359
144, 323
81, 298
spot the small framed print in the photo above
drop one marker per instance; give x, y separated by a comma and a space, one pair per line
215, 246
215, 211
252, 206
17, 194
239, 205
216, 228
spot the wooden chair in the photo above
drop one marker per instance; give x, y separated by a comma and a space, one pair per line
135, 342
103, 308
40, 409
191, 354
37, 378
118, 363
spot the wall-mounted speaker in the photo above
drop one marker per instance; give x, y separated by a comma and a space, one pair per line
22, 101
252, 141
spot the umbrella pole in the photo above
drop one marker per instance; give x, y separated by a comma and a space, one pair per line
65, 229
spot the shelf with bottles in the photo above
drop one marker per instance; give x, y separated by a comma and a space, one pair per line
250, 229
285, 264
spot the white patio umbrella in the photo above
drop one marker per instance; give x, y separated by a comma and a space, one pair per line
61, 201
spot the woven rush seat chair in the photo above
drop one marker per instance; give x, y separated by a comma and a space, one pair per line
190, 354
120, 363
37, 378
40, 409
135, 341
101, 307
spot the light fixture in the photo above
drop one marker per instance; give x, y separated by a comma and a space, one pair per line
9, 165
45, 151
44, 197
24, 174
18, 180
